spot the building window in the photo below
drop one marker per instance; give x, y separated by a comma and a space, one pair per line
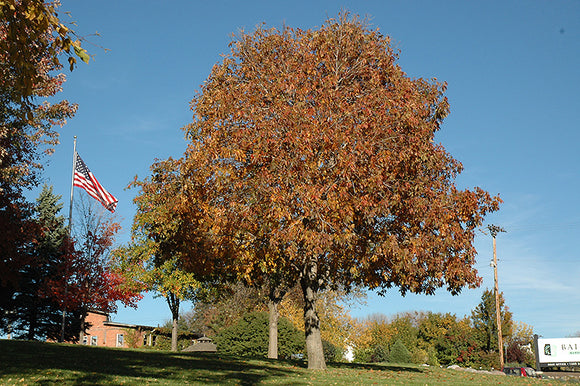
120, 339
93, 340
85, 339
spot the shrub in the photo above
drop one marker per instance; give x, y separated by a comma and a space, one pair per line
419, 356
132, 338
399, 353
163, 342
249, 337
380, 354
332, 353
363, 355
487, 360
432, 356
162, 339
520, 354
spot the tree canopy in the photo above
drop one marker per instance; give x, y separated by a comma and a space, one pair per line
313, 155
31, 29
484, 320
152, 258
32, 39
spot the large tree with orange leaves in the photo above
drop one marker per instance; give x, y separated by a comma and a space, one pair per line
313, 155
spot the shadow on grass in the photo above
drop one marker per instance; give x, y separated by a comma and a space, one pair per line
377, 367
75, 364
383, 366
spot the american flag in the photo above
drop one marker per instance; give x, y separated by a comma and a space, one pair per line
83, 178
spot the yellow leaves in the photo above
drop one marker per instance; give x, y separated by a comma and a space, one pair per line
353, 271
33, 35
81, 52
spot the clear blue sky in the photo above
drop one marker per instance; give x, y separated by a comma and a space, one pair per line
513, 70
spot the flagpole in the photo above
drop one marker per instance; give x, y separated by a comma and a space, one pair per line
72, 179
68, 242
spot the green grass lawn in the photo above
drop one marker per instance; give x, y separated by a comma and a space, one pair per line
29, 363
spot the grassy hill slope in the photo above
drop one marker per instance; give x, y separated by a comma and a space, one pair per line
46, 363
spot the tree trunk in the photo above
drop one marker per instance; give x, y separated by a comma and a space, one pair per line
173, 302
83, 325
273, 341
32, 322
174, 334
315, 353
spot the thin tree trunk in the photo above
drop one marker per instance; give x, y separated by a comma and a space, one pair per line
174, 334
83, 325
173, 302
32, 321
277, 293
273, 341
314, 348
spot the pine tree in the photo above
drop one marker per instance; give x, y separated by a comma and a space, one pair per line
484, 320
399, 353
36, 315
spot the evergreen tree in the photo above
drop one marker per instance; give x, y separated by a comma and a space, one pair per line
36, 315
484, 321
399, 353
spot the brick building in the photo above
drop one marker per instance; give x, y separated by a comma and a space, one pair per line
103, 332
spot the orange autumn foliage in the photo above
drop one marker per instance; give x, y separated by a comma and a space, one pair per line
312, 156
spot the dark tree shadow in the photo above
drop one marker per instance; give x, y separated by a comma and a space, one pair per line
94, 365
377, 367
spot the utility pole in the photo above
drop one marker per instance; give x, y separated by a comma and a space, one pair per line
494, 230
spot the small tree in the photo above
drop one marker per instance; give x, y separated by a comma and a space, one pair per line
406, 330
86, 279
152, 259
132, 338
399, 353
519, 345
458, 345
380, 354
166, 279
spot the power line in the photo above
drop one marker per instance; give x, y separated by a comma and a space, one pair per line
539, 227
